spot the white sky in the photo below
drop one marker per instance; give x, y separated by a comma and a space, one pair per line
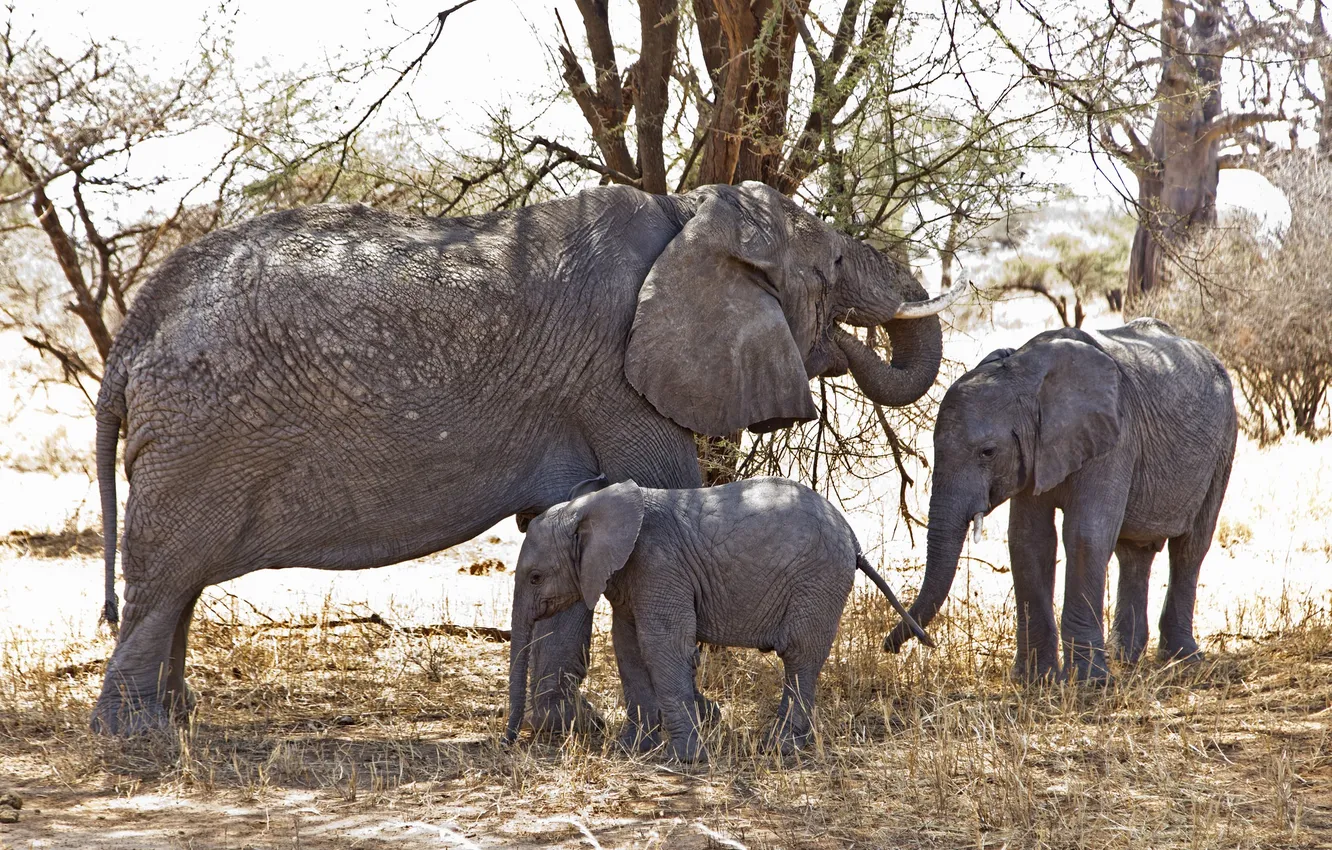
493, 53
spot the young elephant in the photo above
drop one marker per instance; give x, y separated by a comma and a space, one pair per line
1130, 433
765, 563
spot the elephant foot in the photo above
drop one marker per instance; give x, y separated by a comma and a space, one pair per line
634, 738
688, 749
786, 741
1085, 663
125, 717
1036, 672
1188, 653
709, 712
1128, 655
564, 715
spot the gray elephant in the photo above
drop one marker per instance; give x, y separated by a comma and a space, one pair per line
765, 563
341, 388
1130, 433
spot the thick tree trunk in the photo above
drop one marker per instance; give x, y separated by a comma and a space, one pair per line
1177, 186
749, 49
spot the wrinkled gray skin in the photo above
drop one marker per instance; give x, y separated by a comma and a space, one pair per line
1130, 433
765, 563
340, 388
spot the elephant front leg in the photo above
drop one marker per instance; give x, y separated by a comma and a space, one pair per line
1031, 548
668, 651
642, 729
1088, 543
560, 646
1135, 570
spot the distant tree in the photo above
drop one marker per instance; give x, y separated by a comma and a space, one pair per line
1069, 267
1175, 96
83, 220
68, 126
1264, 304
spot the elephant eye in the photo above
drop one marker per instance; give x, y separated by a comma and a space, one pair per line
987, 452
535, 578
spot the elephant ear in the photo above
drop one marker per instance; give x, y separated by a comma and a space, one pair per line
710, 346
1077, 410
995, 356
608, 522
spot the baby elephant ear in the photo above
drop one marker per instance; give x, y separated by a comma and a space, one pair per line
710, 346
608, 522
995, 356
1078, 410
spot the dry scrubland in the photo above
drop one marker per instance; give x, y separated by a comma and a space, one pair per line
323, 725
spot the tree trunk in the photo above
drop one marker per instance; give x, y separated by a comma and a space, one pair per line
749, 49
1177, 186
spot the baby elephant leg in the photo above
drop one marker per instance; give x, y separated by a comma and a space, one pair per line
668, 649
802, 661
642, 729
1130, 630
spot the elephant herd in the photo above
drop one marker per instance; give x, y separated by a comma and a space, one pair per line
316, 388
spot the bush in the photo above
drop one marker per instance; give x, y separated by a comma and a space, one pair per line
1264, 305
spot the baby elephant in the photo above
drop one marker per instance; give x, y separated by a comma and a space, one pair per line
1128, 432
765, 563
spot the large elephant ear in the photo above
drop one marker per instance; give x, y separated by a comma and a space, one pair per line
1078, 410
608, 522
710, 345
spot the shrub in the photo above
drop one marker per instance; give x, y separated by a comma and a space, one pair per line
1264, 305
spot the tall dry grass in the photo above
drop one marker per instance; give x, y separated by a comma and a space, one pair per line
931, 749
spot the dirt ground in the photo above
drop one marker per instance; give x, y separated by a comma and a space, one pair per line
365, 709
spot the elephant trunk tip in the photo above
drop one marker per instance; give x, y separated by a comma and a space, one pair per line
895, 639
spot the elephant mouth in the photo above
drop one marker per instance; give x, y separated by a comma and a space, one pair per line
915, 336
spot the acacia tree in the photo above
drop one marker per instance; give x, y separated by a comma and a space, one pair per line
1265, 305
85, 221
68, 126
1152, 91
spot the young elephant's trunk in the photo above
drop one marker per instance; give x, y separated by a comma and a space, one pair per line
519, 653
947, 533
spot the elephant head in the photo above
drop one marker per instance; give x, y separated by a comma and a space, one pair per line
1020, 422
743, 307
569, 554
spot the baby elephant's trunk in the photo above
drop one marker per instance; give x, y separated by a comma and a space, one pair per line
519, 653
864, 566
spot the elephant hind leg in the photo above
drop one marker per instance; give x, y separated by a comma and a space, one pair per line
1130, 628
802, 661
177, 697
144, 683
1186, 556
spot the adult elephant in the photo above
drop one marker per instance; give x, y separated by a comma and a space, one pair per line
338, 387
1130, 432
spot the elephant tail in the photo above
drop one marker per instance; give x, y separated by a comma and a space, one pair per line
864, 566
110, 413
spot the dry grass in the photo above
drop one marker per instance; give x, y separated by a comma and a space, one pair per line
319, 735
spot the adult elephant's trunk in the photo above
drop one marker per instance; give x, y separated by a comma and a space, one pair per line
943, 542
917, 350
519, 654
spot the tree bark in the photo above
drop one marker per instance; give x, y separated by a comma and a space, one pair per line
1177, 186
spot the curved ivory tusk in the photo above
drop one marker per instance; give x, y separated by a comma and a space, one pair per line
977, 527
937, 304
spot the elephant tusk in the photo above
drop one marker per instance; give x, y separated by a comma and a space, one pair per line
977, 526
931, 306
